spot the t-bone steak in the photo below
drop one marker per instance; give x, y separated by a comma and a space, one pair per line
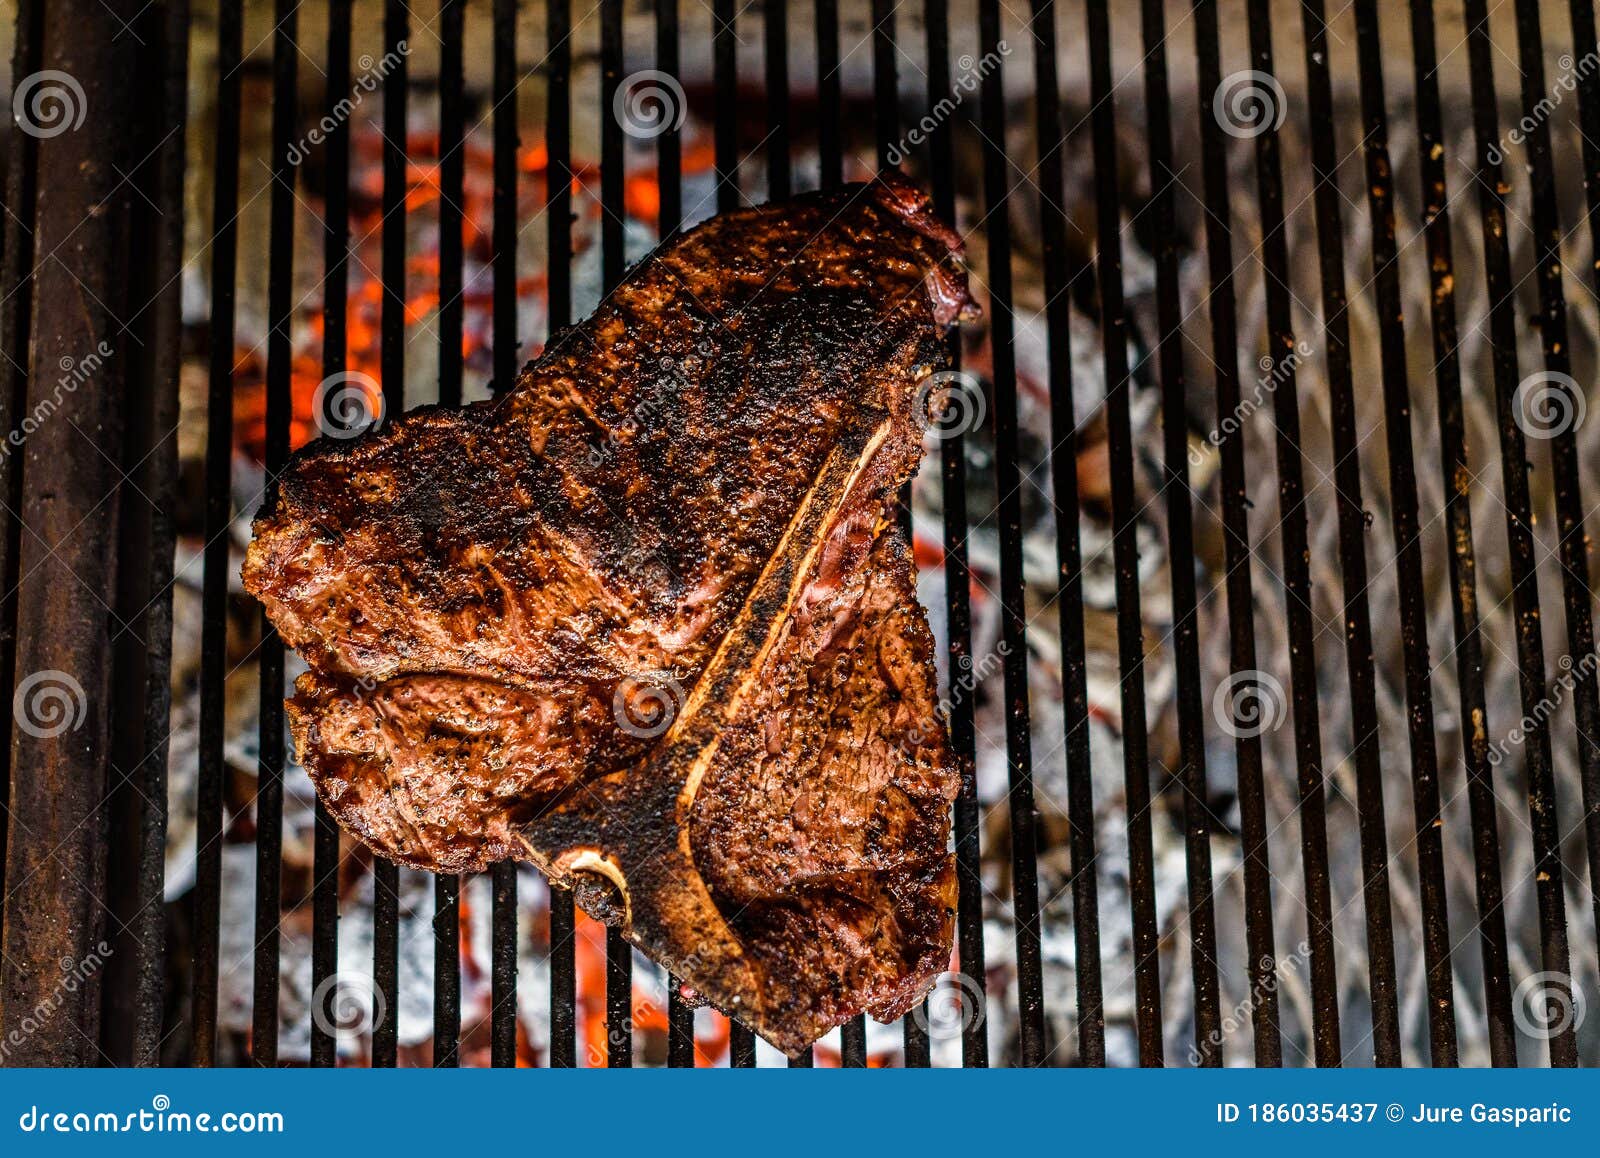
647, 619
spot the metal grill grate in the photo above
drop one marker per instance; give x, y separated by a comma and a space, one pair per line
144, 398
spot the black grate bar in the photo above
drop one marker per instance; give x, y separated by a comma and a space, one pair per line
218, 511
886, 127
1008, 483
1352, 544
156, 273
1514, 468
1570, 510
918, 1048
805, 1061
958, 591
1282, 364
1458, 519
558, 211
386, 961
1069, 566
269, 772
452, 180
504, 252
392, 349
446, 971
853, 1044
558, 138
335, 289
1175, 482
1403, 509
503, 965
885, 82
776, 30
392, 357
1208, 1044
741, 1047
613, 260
1125, 553
669, 183
1583, 16
563, 981
680, 1028
1573, 541
669, 145
452, 176
503, 894
725, 79
619, 1000
830, 151
613, 257
325, 933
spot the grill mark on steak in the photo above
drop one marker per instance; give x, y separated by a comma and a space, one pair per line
690, 491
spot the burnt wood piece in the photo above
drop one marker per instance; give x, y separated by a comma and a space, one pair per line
646, 621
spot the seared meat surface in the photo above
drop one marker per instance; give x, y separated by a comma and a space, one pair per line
644, 619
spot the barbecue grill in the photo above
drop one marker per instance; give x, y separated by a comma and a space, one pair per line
1458, 793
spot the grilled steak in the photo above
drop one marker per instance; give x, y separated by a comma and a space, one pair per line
645, 620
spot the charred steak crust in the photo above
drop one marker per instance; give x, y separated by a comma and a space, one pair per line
643, 618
